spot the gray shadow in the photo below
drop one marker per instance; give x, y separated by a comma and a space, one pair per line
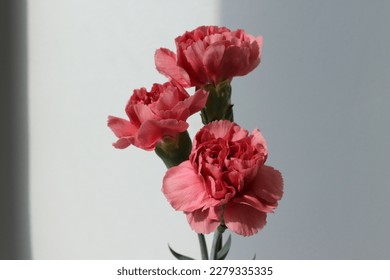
321, 97
14, 202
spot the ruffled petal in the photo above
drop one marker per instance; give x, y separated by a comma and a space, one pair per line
212, 59
153, 131
194, 54
203, 221
258, 141
221, 129
256, 47
120, 127
268, 184
139, 113
166, 64
168, 99
250, 200
124, 142
234, 63
184, 188
197, 101
244, 219
124, 130
191, 105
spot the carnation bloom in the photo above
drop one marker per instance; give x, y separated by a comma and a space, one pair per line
225, 181
155, 114
210, 55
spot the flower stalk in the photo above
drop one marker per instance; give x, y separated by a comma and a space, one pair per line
217, 242
203, 246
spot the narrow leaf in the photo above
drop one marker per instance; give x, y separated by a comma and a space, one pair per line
225, 249
203, 246
178, 256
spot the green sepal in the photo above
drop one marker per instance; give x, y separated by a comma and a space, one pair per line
174, 151
225, 249
218, 105
179, 256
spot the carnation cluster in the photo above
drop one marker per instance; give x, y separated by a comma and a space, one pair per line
219, 179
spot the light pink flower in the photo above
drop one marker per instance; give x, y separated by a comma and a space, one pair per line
225, 180
210, 55
155, 114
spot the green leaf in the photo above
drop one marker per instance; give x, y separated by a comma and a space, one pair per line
203, 246
225, 249
178, 256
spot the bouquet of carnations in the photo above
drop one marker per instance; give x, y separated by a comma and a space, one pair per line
219, 179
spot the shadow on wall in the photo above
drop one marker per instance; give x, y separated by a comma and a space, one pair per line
14, 212
321, 98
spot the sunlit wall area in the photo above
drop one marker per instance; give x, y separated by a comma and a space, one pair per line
89, 200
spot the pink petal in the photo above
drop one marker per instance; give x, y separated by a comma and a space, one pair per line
139, 113
256, 47
268, 184
166, 64
243, 219
197, 101
120, 127
203, 221
124, 142
253, 201
212, 59
184, 188
124, 130
191, 105
258, 140
194, 54
153, 131
234, 63
221, 129
168, 99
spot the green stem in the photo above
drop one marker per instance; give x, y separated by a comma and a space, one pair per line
203, 246
217, 242
218, 105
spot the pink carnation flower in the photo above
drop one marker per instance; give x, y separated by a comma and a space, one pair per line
155, 114
225, 181
210, 55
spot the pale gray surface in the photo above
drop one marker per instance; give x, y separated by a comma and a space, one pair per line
321, 98
89, 200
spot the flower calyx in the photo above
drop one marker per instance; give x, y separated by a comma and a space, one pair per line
218, 105
174, 151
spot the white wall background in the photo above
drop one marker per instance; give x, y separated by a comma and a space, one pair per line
89, 200
321, 98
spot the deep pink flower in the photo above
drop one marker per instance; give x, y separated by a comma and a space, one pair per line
155, 114
210, 55
225, 180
